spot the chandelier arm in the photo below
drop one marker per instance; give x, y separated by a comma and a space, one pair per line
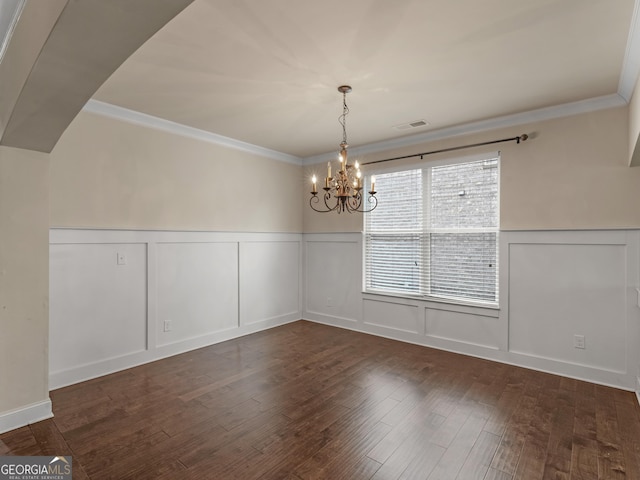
374, 203
312, 200
327, 196
354, 203
372, 200
316, 199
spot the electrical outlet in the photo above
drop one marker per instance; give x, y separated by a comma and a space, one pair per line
121, 259
329, 302
578, 342
167, 325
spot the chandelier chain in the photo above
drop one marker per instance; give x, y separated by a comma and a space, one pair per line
343, 118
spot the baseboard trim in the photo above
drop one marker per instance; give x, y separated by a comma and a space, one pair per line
582, 373
26, 415
83, 373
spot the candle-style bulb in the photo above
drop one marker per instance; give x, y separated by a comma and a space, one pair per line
343, 156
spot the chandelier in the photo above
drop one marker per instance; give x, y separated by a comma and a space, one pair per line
343, 193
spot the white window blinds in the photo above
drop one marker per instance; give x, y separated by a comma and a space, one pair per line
435, 232
393, 240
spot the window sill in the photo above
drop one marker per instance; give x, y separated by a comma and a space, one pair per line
493, 307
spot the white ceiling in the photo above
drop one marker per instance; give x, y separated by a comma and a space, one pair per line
267, 72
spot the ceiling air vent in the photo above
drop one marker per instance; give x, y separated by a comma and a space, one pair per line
410, 125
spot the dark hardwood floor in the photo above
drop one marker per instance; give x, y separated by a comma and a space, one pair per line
307, 401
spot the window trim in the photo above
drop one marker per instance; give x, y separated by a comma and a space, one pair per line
428, 165
433, 299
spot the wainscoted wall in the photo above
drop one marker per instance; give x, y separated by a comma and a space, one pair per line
575, 283
119, 298
554, 285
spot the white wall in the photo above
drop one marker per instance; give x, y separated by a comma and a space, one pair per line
553, 285
210, 287
24, 225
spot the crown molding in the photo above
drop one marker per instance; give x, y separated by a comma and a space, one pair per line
145, 120
631, 64
628, 79
548, 113
542, 114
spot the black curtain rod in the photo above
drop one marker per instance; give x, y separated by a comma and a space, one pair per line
518, 139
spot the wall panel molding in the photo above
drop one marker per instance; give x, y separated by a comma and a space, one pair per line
553, 285
319, 278
120, 298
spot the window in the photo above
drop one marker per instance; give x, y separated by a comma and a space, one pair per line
435, 232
